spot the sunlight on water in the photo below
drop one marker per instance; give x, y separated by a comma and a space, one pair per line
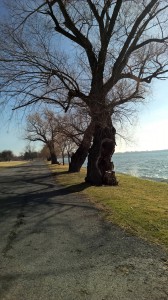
146, 164
150, 164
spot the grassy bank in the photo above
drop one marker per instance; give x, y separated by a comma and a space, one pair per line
7, 164
138, 205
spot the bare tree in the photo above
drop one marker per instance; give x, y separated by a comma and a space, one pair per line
60, 133
120, 47
43, 127
77, 128
66, 146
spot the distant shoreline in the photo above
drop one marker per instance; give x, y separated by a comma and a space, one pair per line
139, 151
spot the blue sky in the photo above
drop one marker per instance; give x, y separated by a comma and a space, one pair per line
12, 132
151, 129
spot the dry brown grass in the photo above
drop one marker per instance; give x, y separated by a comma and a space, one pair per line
7, 164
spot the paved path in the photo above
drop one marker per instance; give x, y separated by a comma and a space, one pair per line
54, 245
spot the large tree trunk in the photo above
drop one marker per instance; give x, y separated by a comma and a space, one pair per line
79, 157
99, 160
52, 153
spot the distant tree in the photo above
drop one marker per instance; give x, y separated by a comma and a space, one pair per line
29, 155
43, 127
6, 155
66, 145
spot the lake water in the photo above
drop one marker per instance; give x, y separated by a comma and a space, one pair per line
146, 164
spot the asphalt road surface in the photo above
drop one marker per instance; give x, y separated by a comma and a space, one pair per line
55, 245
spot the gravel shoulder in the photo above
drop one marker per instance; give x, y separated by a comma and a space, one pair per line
55, 245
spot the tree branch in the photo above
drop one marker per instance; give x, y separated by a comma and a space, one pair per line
127, 49
150, 41
77, 36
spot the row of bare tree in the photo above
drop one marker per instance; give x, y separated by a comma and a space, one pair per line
100, 55
61, 134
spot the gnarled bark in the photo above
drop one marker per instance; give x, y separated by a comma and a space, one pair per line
99, 159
